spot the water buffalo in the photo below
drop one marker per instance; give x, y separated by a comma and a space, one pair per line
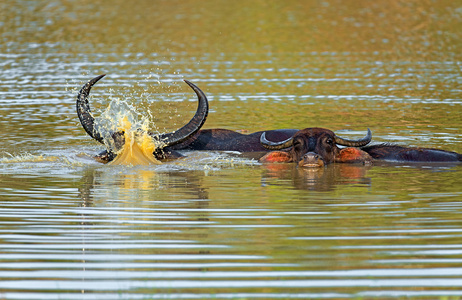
313, 147
316, 147
116, 141
310, 147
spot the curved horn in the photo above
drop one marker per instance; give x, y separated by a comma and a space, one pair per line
275, 146
182, 134
84, 111
355, 143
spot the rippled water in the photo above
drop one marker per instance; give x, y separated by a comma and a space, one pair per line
220, 225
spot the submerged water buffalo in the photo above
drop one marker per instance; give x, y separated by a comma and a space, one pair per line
318, 146
144, 146
309, 147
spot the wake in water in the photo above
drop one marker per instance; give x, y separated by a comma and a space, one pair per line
26, 157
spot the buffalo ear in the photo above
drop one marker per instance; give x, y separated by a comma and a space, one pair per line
353, 155
276, 156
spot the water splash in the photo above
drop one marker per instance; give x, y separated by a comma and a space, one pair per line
27, 157
122, 120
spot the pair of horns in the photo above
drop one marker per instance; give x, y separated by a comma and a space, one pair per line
338, 140
168, 139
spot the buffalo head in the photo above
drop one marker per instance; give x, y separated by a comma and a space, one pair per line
119, 139
316, 147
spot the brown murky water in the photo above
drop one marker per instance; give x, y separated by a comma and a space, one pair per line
218, 225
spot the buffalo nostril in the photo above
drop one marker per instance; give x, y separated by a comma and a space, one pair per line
311, 160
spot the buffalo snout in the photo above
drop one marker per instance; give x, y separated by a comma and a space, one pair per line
311, 160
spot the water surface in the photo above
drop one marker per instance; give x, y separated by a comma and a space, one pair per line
221, 225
